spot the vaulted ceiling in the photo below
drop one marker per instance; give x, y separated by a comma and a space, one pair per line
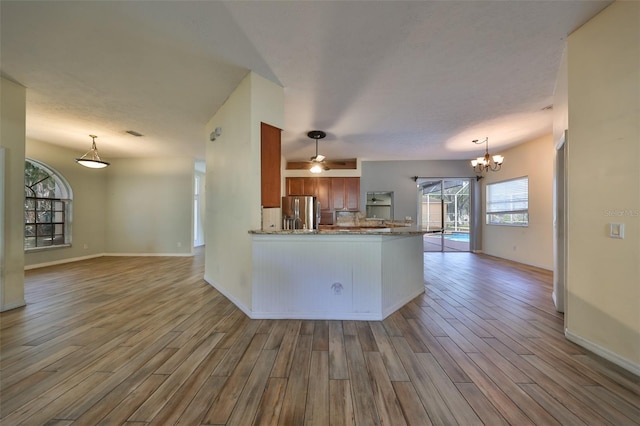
384, 79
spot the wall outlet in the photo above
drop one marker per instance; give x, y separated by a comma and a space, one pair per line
85, 246
337, 288
179, 245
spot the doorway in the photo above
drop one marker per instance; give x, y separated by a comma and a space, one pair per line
445, 213
198, 208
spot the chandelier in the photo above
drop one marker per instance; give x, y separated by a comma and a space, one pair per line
487, 162
91, 159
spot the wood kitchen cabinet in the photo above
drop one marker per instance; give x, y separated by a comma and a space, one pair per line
323, 193
301, 186
270, 157
345, 193
294, 186
337, 194
352, 193
333, 193
318, 187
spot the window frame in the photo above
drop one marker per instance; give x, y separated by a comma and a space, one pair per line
59, 205
507, 212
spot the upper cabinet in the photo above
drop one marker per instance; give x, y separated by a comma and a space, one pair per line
301, 186
333, 193
323, 193
270, 155
345, 193
352, 193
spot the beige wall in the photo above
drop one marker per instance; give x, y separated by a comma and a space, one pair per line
532, 244
135, 206
603, 274
560, 125
88, 205
561, 100
230, 195
12, 140
233, 184
149, 206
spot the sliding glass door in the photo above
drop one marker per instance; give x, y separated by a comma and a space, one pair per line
445, 212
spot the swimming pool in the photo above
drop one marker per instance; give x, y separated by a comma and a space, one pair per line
457, 236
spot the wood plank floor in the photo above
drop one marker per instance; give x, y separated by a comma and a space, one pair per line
146, 341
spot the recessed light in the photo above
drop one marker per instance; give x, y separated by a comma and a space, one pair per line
134, 133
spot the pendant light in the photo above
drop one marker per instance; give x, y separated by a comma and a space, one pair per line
317, 160
91, 159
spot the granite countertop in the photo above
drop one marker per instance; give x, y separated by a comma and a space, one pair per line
346, 230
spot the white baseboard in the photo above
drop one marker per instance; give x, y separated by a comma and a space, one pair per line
149, 254
318, 316
93, 256
226, 294
62, 261
603, 352
13, 305
399, 304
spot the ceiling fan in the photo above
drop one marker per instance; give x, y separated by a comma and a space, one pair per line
317, 161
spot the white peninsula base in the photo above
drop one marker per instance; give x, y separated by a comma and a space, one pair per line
335, 276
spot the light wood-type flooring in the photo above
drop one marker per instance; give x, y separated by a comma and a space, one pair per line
124, 340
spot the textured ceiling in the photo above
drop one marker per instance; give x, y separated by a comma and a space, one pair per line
385, 80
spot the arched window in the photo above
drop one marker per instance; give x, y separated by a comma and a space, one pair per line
47, 207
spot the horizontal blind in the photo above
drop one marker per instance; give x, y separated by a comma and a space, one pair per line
508, 196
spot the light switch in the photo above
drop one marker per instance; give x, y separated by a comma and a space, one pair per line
616, 230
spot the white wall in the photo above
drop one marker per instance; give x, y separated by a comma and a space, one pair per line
12, 139
88, 205
149, 206
603, 274
233, 184
532, 245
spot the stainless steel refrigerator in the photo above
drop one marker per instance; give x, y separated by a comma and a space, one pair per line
300, 212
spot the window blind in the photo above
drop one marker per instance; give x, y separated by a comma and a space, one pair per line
508, 202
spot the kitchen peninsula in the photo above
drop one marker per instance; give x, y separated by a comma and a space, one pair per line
342, 273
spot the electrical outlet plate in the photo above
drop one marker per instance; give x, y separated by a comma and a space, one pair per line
616, 230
